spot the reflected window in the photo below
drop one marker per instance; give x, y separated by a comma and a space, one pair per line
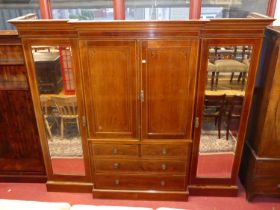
15, 8
226, 78
56, 85
156, 10
232, 8
82, 10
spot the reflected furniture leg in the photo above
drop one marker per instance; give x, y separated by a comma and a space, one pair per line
217, 78
212, 80
61, 128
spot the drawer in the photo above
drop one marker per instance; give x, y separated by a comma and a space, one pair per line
166, 166
164, 150
268, 169
139, 182
115, 150
267, 186
126, 165
120, 165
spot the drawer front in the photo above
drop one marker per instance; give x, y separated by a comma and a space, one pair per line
125, 165
268, 169
164, 166
115, 150
164, 150
117, 165
104, 181
267, 186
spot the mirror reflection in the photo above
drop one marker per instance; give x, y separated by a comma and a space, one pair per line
56, 85
226, 79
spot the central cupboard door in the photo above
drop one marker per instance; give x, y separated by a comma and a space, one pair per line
110, 88
168, 86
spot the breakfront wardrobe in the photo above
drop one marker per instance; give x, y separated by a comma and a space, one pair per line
260, 171
134, 94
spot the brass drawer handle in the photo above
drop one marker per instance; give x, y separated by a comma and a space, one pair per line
117, 182
162, 183
115, 151
163, 166
116, 165
164, 151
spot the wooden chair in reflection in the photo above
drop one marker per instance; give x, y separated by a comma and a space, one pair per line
49, 120
214, 108
67, 111
234, 113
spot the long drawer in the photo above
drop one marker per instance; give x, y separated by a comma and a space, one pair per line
267, 186
268, 169
115, 149
143, 182
137, 165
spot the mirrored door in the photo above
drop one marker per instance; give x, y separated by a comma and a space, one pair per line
55, 79
225, 87
226, 79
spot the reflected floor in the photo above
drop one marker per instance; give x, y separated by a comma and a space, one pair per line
215, 165
210, 141
68, 166
65, 147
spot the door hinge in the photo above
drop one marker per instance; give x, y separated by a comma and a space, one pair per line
142, 97
196, 122
84, 121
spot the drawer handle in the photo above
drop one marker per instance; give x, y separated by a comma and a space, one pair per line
116, 165
115, 151
163, 166
164, 151
162, 183
117, 182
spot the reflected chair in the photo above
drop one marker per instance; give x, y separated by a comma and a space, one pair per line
211, 68
230, 66
67, 111
47, 105
214, 108
234, 113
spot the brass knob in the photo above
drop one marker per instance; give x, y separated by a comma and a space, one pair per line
115, 151
162, 183
117, 182
163, 166
116, 165
164, 151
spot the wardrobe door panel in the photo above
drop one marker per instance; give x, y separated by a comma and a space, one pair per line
110, 78
169, 72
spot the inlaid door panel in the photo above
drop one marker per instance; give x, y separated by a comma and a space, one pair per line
168, 76
110, 81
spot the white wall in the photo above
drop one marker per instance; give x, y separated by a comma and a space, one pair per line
277, 14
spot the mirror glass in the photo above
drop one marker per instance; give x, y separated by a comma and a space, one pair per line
226, 78
55, 76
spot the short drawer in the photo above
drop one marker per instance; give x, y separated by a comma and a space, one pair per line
117, 165
164, 150
139, 182
267, 186
115, 150
268, 169
165, 166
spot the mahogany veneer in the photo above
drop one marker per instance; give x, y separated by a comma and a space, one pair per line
21, 157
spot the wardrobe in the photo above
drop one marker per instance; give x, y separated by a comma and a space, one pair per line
260, 171
139, 97
21, 156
